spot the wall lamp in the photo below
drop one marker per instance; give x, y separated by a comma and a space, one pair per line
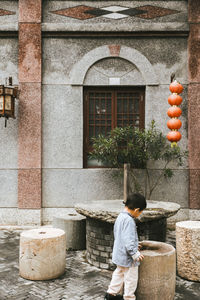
8, 93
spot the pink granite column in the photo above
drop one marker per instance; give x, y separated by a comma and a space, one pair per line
30, 126
194, 103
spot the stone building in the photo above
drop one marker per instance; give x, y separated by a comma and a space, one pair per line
67, 55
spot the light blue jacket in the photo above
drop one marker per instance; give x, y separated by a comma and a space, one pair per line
125, 241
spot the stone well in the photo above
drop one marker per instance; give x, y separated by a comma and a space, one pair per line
188, 249
100, 218
42, 253
157, 272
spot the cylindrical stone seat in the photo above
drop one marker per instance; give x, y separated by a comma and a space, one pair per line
157, 272
42, 253
74, 226
188, 249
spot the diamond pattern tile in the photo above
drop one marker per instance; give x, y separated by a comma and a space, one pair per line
114, 8
4, 12
83, 12
133, 11
77, 12
115, 16
98, 12
151, 12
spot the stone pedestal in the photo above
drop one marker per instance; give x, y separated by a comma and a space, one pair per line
42, 253
188, 249
157, 272
74, 226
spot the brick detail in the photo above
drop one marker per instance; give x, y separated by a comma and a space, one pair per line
154, 230
99, 239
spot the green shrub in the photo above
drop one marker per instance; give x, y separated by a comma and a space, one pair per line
136, 147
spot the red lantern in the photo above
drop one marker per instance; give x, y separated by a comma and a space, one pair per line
175, 99
174, 136
174, 112
176, 87
174, 124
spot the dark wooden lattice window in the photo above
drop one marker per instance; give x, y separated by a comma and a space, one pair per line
106, 108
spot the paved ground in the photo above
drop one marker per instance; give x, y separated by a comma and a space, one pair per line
80, 281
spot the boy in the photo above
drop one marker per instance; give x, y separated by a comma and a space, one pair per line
125, 250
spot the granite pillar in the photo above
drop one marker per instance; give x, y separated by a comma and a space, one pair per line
29, 137
194, 103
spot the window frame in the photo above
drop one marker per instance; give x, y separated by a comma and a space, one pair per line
114, 90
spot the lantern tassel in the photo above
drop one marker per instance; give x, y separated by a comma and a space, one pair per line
174, 144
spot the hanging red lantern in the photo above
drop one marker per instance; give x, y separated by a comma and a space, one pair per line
174, 124
174, 136
176, 87
175, 99
174, 112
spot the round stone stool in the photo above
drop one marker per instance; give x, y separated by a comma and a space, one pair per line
42, 253
74, 226
157, 272
188, 249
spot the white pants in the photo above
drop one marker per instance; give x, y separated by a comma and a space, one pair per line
126, 276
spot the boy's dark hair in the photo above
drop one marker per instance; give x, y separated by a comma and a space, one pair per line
136, 201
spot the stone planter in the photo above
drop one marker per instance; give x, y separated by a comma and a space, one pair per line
157, 272
188, 249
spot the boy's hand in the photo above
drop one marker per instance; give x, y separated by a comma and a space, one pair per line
140, 246
140, 258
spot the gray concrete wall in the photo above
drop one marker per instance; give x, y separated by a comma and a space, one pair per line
64, 181
9, 135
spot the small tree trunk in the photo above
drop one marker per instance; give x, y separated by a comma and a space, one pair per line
126, 181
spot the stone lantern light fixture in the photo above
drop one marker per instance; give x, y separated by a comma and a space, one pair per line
8, 93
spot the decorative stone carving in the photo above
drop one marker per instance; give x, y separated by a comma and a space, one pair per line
42, 253
188, 249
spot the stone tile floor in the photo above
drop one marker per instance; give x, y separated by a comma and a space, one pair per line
80, 281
